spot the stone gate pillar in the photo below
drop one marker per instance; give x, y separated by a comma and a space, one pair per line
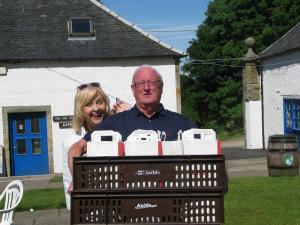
252, 100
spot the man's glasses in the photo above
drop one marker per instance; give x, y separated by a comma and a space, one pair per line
83, 86
151, 83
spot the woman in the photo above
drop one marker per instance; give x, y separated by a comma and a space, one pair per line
91, 107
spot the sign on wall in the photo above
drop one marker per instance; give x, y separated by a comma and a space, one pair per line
64, 122
62, 118
65, 125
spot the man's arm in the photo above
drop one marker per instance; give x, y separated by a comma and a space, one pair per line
77, 149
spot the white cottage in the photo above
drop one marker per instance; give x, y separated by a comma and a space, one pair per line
281, 86
48, 48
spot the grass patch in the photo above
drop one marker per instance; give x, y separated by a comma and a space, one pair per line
223, 135
42, 199
263, 201
57, 178
249, 201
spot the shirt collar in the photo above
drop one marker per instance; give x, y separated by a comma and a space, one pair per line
161, 111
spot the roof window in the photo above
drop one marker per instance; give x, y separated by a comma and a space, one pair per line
81, 27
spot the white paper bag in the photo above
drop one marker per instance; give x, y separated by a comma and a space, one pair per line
200, 142
202, 134
142, 143
172, 147
98, 146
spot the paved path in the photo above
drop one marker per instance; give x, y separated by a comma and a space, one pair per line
247, 167
32, 182
239, 162
43, 217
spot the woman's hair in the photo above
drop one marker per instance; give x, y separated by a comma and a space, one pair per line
84, 97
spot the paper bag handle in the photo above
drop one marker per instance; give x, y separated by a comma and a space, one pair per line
205, 134
143, 135
99, 134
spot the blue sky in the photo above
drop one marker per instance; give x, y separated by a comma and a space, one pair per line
163, 15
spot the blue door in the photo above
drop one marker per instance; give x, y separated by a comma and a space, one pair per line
292, 117
28, 143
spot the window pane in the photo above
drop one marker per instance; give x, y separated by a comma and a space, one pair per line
81, 26
20, 126
35, 125
297, 114
288, 109
21, 146
36, 145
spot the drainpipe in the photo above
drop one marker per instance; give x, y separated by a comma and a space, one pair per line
262, 106
3, 162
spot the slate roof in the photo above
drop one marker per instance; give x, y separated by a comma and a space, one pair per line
289, 41
37, 29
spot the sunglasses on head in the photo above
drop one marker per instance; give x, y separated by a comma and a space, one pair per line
83, 86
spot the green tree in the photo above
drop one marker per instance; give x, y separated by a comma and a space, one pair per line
212, 90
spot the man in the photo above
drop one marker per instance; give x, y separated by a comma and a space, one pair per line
147, 114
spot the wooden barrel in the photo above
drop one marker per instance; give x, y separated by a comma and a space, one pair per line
283, 156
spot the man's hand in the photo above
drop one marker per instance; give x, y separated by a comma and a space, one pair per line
77, 149
70, 188
121, 106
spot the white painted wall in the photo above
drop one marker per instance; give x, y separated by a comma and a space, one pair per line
281, 79
253, 120
54, 83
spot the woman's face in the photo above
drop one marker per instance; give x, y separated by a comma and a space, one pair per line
94, 111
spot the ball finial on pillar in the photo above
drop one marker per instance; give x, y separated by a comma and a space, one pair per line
250, 42
250, 56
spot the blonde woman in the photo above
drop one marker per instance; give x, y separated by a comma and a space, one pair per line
91, 107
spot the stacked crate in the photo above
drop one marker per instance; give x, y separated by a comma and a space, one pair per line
149, 190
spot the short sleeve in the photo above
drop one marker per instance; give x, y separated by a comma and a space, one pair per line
87, 136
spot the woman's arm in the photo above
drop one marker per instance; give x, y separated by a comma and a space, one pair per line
77, 149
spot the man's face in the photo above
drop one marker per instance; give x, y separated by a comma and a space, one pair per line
147, 88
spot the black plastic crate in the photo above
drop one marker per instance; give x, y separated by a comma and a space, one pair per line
199, 173
150, 208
